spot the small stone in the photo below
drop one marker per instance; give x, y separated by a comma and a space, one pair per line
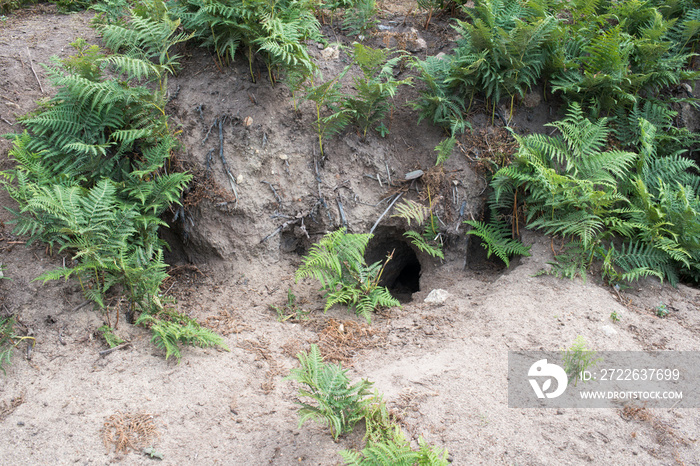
414, 42
247, 121
608, 330
330, 53
284, 157
239, 179
20, 423
415, 174
437, 296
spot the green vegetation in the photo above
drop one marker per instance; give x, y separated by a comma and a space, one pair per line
340, 406
9, 340
637, 213
496, 237
337, 404
290, 309
110, 338
337, 261
661, 310
273, 31
90, 172
616, 185
578, 358
374, 88
331, 117
360, 18
425, 241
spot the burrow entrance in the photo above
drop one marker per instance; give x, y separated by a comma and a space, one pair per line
402, 273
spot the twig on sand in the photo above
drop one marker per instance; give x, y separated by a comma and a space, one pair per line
34, 71
115, 348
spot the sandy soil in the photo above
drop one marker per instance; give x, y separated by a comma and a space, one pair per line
442, 368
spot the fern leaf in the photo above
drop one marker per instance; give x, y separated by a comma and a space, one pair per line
410, 211
497, 240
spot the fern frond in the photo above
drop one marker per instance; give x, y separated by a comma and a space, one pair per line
410, 210
418, 241
337, 404
497, 240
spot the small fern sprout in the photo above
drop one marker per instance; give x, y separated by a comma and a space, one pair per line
333, 400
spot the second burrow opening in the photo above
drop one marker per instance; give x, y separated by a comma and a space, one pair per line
402, 273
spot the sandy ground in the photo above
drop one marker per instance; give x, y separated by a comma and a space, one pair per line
442, 368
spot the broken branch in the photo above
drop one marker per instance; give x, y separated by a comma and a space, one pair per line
34, 71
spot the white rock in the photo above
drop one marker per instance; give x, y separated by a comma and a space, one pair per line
437, 296
414, 42
608, 330
330, 53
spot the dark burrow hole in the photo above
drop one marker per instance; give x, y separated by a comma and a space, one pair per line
402, 273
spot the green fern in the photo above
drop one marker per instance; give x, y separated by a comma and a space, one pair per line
375, 87
110, 338
90, 172
360, 18
621, 57
170, 330
337, 262
497, 240
331, 117
423, 245
438, 102
426, 241
335, 402
503, 50
444, 150
7, 343
395, 450
274, 31
146, 38
573, 188
412, 211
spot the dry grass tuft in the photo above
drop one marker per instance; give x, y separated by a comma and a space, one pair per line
342, 341
488, 149
665, 434
124, 431
225, 323
7, 408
